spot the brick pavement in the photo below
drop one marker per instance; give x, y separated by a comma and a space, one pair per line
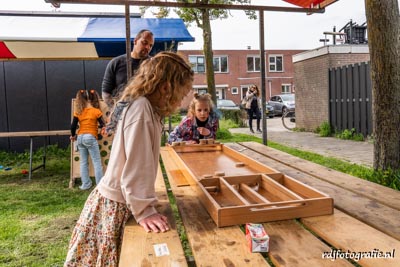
360, 153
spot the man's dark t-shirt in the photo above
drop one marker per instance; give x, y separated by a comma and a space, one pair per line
114, 79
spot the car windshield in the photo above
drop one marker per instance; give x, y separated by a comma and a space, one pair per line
288, 97
225, 103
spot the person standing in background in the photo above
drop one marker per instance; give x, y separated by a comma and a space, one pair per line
253, 107
115, 75
89, 117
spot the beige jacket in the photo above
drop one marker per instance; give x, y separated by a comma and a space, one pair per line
133, 163
249, 97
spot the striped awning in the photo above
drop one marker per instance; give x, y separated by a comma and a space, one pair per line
57, 37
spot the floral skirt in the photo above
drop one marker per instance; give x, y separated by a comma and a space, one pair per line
97, 236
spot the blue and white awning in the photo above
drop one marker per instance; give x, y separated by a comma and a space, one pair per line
60, 37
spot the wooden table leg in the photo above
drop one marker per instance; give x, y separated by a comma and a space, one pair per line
30, 157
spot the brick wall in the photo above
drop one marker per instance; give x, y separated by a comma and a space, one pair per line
238, 76
312, 82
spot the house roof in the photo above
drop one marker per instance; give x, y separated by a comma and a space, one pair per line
57, 37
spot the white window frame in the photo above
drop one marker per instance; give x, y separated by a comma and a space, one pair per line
273, 64
287, 86
243, 90
218, 70
196, 64
234, 90
254, 67
201, 90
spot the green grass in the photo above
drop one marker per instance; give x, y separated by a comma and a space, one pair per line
37, 216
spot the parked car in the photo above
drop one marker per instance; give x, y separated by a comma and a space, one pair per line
282, 103
226, 104
269, 110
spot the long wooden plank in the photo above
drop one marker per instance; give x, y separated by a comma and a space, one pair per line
348, 234
382, 194
211, 246
252, 195
368, 210
35, 133
141, 249
178, 177
279, 189
292, 245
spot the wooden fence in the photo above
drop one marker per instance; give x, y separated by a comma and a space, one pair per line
350, 98
35, 95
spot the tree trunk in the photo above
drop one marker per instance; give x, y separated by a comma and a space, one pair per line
384, 45
208, 54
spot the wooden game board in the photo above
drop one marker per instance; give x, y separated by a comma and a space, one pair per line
236, 189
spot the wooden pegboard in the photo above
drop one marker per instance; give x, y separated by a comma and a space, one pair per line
104, 145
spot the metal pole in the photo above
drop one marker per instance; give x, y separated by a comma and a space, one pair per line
334, 36
30, 157
263, 78
128, 42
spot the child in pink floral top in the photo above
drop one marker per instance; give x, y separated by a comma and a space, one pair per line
201, 122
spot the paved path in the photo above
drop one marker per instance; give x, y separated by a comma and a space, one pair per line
352, 151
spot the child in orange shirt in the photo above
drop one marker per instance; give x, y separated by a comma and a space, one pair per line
89, 117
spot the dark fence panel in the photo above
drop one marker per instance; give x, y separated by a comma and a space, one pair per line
356, 97
3, 108
94, 72
63, 80
26, 99
350, 98
36, 96
369, 99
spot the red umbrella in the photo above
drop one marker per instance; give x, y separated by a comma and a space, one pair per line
305, 3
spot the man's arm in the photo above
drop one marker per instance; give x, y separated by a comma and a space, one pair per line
109, 83
107, 99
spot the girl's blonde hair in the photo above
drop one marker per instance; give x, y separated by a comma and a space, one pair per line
199, 98
83, 97
164, 68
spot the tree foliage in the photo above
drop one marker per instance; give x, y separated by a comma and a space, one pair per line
383, 22
202, 19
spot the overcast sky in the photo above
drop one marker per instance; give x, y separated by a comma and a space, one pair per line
282, 30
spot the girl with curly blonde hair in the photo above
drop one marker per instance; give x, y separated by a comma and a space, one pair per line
127, 187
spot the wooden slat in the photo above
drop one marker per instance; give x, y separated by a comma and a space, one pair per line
138, 246
385, 195
253, 195
345, 233
292, 245
230, 190
177, 176
211, 246
254, 164
35, 133
279, 189
366, 209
